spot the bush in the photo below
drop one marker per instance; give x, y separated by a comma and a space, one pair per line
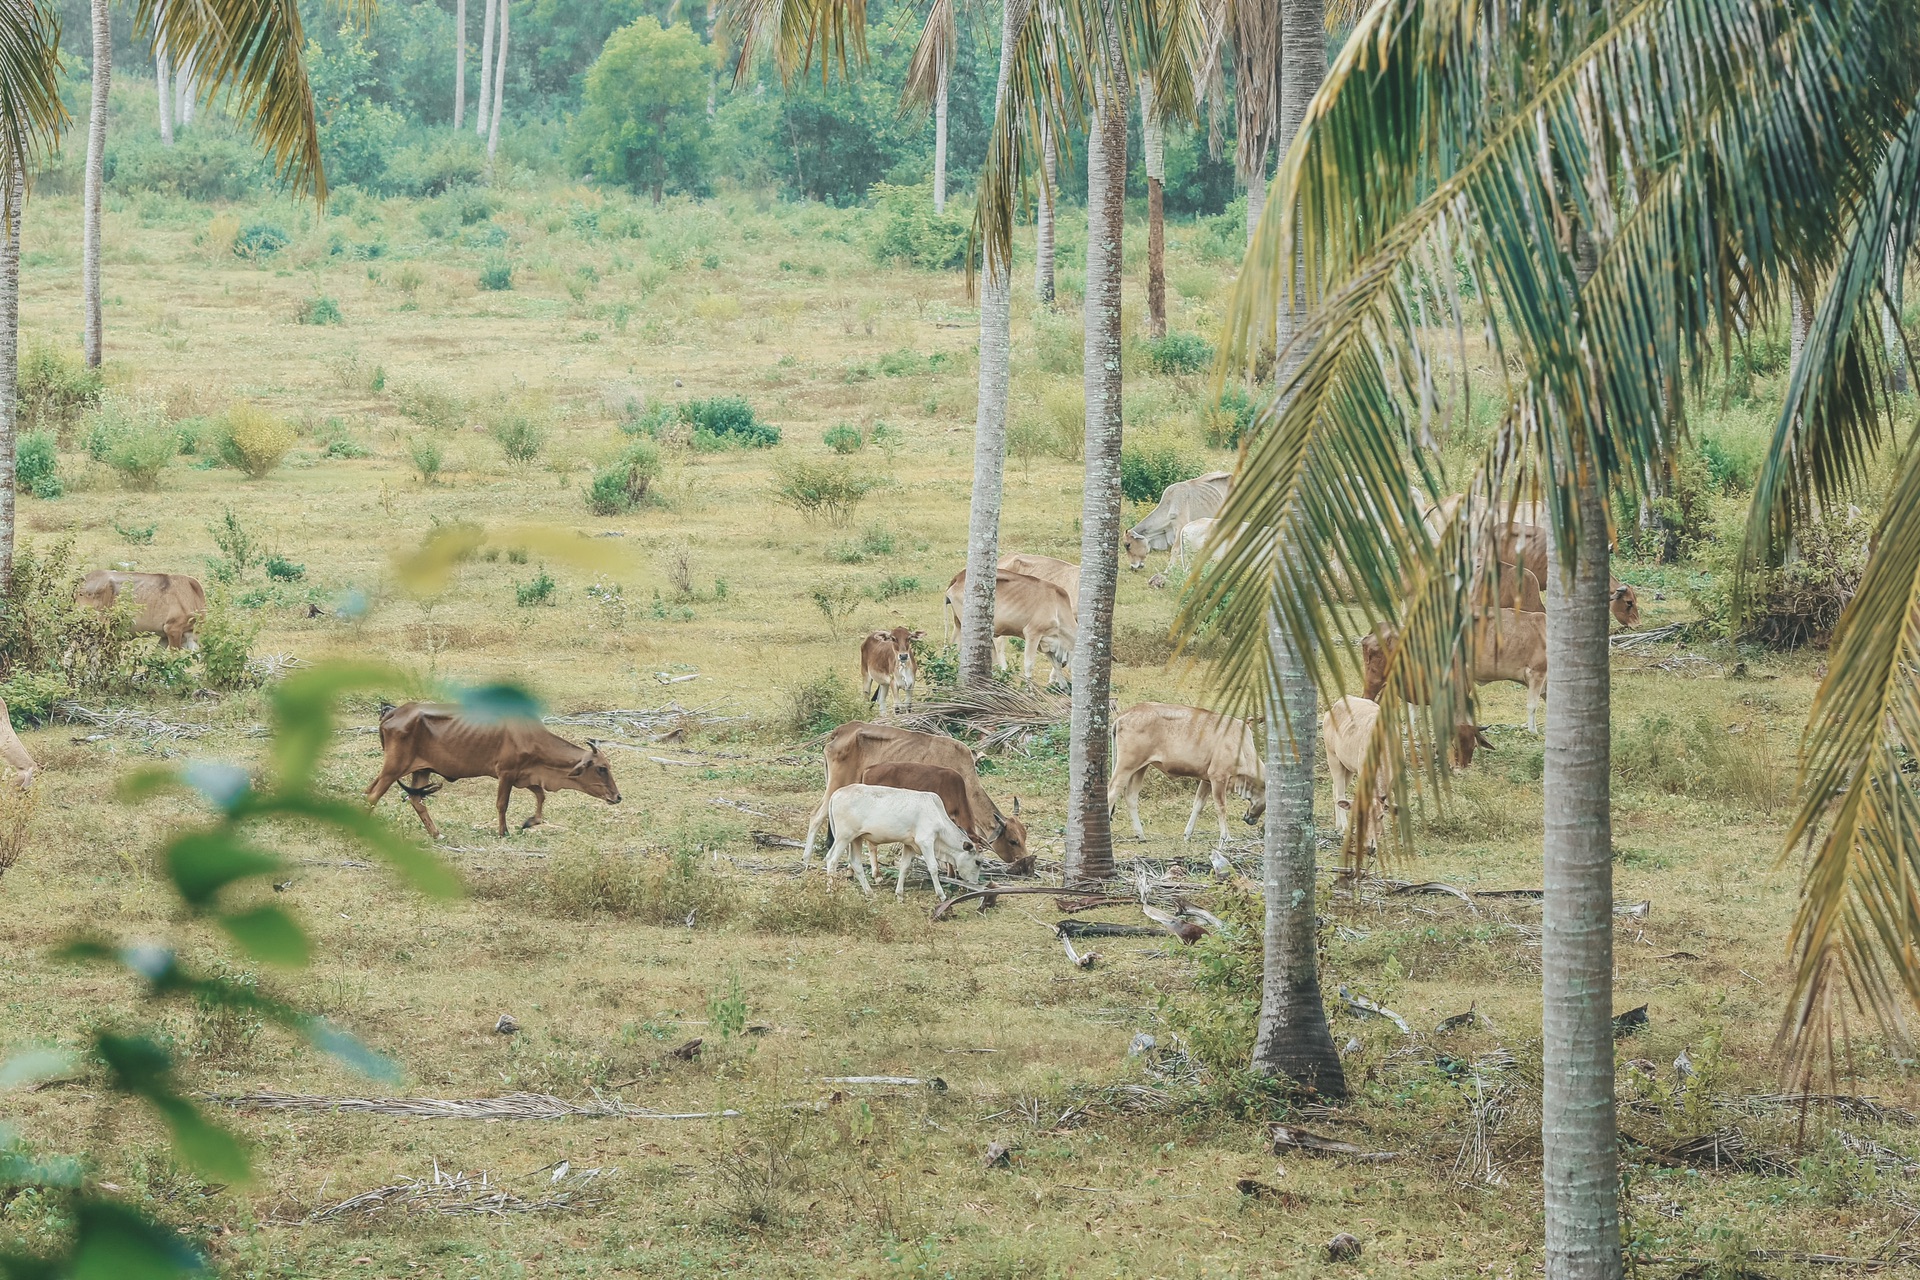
539, 590
429, 405
1147, 469
239, 551
1681, 517
644, 116
259, 241
731, 420
496, 275
1178, 353
911, 232
133, 440
31, 696
281, 569
666, 890
46, 636
842, 438
827, 491
823, 704
55, 388
622, 484
1229, 419
1797, 602
36, 465
252, 440
319, 309
226, 644
427, 457
519, 434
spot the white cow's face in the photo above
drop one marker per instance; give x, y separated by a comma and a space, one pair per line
1136, 552
964, 864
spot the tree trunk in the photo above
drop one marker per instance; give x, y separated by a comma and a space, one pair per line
9, 369
499, 87
1294, 1040
1894, 282
459, 63
1153, 132
1089, 852
1579, 1145
486, 67
940, 141
96, 181
1799, 324
183, 93
163, 85
1043, 232
1256, 180
990, 421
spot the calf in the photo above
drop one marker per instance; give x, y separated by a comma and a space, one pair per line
424, 740
866, 815
170, 604
854, 748
1345, 731
950, 787
15, 752
886, 667
1037, 611
1193, 535
1186, 742
1180, 504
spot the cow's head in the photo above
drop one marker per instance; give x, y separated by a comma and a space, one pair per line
1257, 810
1378, 812
1058, 645
1625, 604
1467, 737
1010, 844
965, 866
593, 774
1374, 655
1136, 551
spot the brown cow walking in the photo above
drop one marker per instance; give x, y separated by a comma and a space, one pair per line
171, 604
424, 740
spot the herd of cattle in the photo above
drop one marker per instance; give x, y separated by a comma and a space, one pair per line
889, 785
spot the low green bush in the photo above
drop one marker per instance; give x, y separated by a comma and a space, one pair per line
842, 438
622, 484
1226, 422
823, 704
730, 419
427, 457
519, 433
539, 590
133, 440
55, 388
319, 309
252, 440
496, 275
226, 646
1177, 353
911, 232
258, 241
281, 569
1147, 469
429, 404
829, 491
36, 465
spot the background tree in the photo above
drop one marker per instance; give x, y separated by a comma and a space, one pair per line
928, 80
499, 88
643, 120
482, 114
163, 83
459, 63
91, 198
1153, 131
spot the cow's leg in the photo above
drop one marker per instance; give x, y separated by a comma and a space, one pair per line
814, 824
419, 802
1220, 804
382, 784
502, 797
1536, 691
1000, 652
834, 851
1340, 776
1200, 794
539, 809
1133, 802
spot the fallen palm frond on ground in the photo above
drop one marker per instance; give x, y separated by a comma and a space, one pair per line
641, 722
510, 1106
125, 720
997, 717
458, 1195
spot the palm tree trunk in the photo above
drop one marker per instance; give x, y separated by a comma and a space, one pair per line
1894, 282
499, 87
1294, 1040
96, 180
1043, 232
486, 67
9, 368
163, 84
1089, 852
1799, 322
183, 93
459, 63
1153, 132
1579, 1144
990, 422
1256, 180
940, 142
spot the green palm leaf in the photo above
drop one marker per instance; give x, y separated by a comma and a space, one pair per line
31, 113
793, 32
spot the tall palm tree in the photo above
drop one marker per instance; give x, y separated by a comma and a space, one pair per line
91, 198
499, 88
163, 78
1153, 147
459, 63
1626, 188
926, 86
486, 66
1043, 219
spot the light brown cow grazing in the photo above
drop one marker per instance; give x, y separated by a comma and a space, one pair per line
1186, 742
1511, 644
1180, 505
169, 604
424, 740
15, 752
1345, 730
1035, 610
1060, 573
1525, 545
1375, 652
952, 790
886, 667
854, 748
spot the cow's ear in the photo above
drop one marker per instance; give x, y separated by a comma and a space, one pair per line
1016, 806
1343, 804
581, 766
916, 635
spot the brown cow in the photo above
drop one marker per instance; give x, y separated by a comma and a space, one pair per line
1186, 742
15, 752
854, 748
886, 666
1511, 644
1037, 611
169, 603
1375, 652
423, 740
942, 782
1520, 542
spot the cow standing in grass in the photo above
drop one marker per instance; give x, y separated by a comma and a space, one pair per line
886, 667
865, 816
424, 740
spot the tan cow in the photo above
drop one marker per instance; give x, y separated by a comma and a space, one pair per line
1376, 650
952, 790
1180, 505
425, 740
1511, 644
1060, 573
1035, 610
886, 667
169, 604
15, 752
1186, 742
1525, 545
854, 748
1345, 730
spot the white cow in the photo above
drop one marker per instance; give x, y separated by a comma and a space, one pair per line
864, 816
1180, 504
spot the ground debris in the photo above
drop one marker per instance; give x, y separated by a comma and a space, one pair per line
128, 721
999, 717
461, 1195
643, 722
508, 1106
1288, 1138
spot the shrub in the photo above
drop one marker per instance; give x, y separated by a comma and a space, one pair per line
239, 551
886, 438
1147, 469
1228, 420
31, 696
226, 644
829, 491
429, 405
823, 704
668, 890
133, 440
1681, 517
281, 569
36, 465
496, 274
730, 419
539, 590
427, 457
1798, 601
1699, 758
622, 484
140, 535
44, 633
55, 388
842, 438
1178, 353
258, 241
319, 309
911, 232
519, 434
252, 440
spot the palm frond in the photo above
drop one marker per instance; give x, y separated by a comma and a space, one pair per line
1042, 83
932, 58
31, 113
793, 33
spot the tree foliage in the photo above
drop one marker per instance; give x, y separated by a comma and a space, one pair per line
644, 120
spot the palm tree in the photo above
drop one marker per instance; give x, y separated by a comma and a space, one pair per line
16, 198
926, 86
163, 76
486, 67
499, 89
96, 179
459, 63
1625, 189
1043, 219
1153, 131
1256, 67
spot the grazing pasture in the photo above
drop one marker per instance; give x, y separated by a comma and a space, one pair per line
735, 583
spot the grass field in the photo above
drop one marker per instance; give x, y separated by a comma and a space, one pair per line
1122, 1164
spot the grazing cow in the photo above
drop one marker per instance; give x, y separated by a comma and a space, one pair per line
886, 666
1511, 644
1346, 729
1375, 652
865, 816
854, 748
170, 604
1193, 535
1180, 505
1037, 611
423, 740
1525, 545
1186, 742
1060, 573
15, 752
945, 783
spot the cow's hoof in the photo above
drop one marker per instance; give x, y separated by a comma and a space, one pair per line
531, 823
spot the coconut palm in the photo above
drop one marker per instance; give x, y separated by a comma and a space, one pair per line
90, 211
492, 8
459, 63
1627, 190
499, 89
163, 82
926, 86
1043, 220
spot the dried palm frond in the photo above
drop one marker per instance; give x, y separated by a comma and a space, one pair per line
997, 716
463, 1195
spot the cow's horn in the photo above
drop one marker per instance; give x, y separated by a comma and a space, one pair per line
1016, 806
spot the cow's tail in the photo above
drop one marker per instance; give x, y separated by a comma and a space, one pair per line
421, 793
